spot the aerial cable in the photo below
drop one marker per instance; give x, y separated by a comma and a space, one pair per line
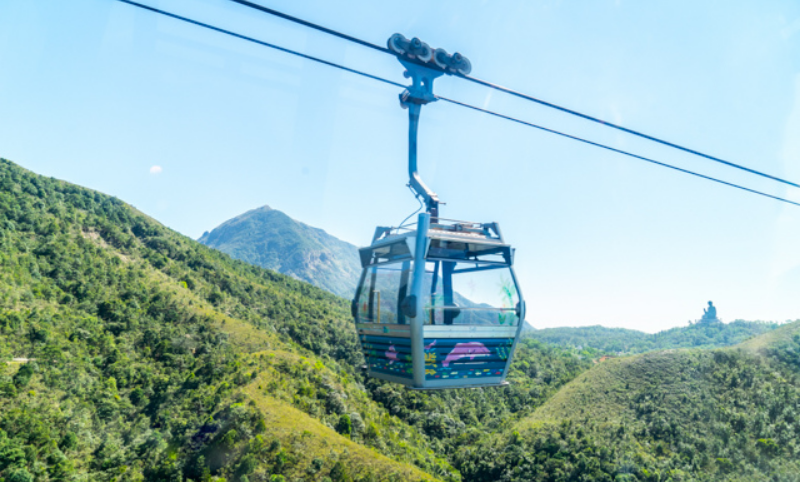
613, 149
517, 94
452, 101
261, 42
313, 25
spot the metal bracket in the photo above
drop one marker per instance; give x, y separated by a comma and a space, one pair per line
420, 91
423, 65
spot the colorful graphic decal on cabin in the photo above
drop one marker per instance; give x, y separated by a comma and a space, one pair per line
447, 358
391, 354
463, 350
388, 355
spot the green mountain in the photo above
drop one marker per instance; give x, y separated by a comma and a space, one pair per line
680, 415
621, 340
269, 238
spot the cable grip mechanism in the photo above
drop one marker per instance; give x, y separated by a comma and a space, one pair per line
424, 64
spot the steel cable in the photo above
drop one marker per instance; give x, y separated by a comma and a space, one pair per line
515, 93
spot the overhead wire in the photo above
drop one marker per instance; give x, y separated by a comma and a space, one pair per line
614, 149
448, 100
518, 94
261, 42
315, 26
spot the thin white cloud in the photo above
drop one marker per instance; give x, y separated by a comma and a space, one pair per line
156, 170
487, 100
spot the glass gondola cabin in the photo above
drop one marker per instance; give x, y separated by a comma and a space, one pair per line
438, 305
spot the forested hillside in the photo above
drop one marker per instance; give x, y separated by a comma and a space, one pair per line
624, 341
154, 357
269, 238
151, 356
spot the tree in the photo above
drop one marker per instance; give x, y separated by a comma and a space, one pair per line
20, 475
345, 426
358, 422
339, 472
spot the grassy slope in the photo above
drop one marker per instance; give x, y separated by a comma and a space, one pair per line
605, 390
725, 414
779, 338
272, 392
291, 425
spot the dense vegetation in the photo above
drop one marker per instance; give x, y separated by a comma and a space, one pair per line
269, 238
624, 341
141, 351
155, 357
149, 356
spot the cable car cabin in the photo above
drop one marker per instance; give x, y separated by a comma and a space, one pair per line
438, 306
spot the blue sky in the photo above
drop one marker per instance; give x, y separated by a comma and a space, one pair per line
98, 93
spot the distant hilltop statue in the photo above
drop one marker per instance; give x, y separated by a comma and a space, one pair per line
709, 314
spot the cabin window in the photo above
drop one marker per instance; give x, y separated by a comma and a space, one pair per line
471, 293
381, 292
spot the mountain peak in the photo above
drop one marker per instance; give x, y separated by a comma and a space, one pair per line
271, 239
